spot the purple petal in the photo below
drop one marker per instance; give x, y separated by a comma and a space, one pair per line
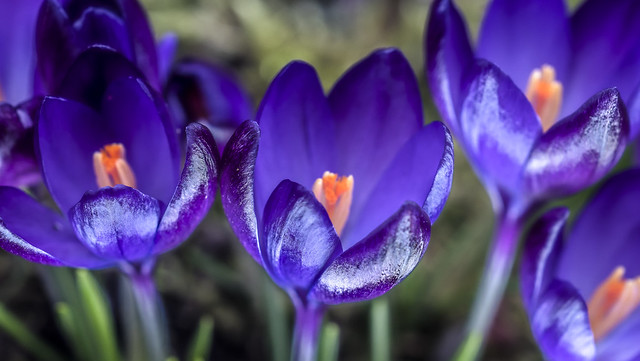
421, 172
379, 262
633, 108
117, 223
542, 249
297, 141
498, 126
18, 165
101, 26
144, 45
560, 324
298, 239
198, 91
237, 185
17, 46
578, 150
605, 235
91, 74
55, 43
521, 35
377, 108
622, 343
167, 47
139, 120
38, 234
68, 134
195, 192
606, 50
448, 55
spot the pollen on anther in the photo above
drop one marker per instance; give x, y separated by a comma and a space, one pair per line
335, 194
612, 302
111, 168
544, 93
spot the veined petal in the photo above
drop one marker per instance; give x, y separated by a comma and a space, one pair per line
377, 263
195, 193
237, 185
560, 324
117, 223
606, 50
297, 127
521, 35
298, 238
498, 126
448, 55
542, 250
577, 151
38, 234
420, 172
377, 109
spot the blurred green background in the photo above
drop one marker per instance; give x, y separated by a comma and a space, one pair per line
211, 275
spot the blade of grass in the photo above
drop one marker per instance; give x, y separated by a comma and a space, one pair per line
202, 340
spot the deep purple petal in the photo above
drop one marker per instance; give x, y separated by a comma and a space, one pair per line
116, 223
199, 91
139, 120
448, 55
91, 74
522, 35
237, 185
377, 109
498, 126
17, 46
605, 235
195, 193
297, 141
167, 47
560, 324
421, 172
633, 108
542, 249
103, 27
379, 262
38, 234
18, 165
606, 50
56, 44
298, 238
580, 149
68, 134
622, 343
144, 45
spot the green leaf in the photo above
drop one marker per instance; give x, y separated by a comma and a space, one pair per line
329, 342
201, 343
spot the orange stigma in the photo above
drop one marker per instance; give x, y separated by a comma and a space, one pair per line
111, 167
612, 302
545, 94
335, 194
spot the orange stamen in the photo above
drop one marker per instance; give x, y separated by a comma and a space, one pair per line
335, 194
612, 302
545, 94
111, 167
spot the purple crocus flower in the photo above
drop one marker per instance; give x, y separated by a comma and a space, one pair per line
335, 195
18, 163
536, 124
114, 174
67, 27
198, 91
582, 294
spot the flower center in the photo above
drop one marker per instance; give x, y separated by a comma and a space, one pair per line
111, 167
612, 302
335, 194
545, 94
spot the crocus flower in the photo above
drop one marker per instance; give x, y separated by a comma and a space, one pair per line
201, 92
18, 164
65, 28
537, 124
114, 175
582, 294
335, 195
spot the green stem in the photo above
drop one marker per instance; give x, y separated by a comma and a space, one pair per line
380, 326
329, 343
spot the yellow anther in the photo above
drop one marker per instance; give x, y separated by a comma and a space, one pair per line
111, 167
545, 94
335, 194
612, 302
